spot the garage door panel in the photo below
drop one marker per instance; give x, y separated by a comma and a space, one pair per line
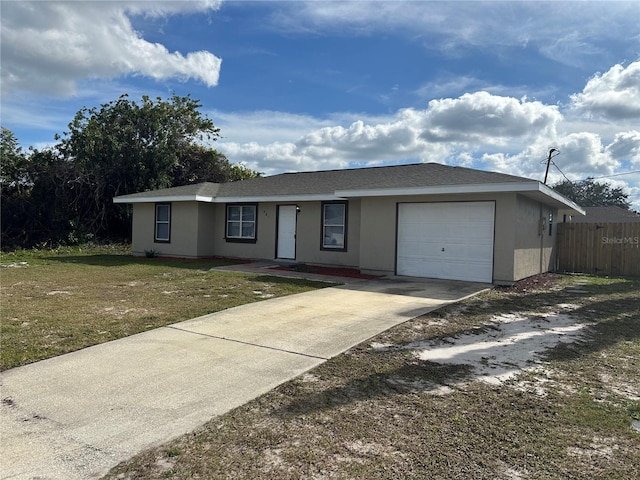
416, 266
451, 240
465, 271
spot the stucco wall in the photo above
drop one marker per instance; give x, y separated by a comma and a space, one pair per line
142, 228
534, 248
206, 230
378, 234
183, 233
309, 236
263, 248
503, 261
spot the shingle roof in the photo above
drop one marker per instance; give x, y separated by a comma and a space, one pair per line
607, 215
328, 181
205, 189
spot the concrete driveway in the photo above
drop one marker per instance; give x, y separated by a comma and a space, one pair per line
78, 415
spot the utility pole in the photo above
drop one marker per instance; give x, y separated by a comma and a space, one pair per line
549, 163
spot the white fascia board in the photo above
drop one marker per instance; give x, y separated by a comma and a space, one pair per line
440, 190
166, 198
518, 187
561, 198
255, 199
320, 197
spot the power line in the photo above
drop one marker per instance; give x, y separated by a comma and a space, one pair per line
557, 152
615, 175
565, 177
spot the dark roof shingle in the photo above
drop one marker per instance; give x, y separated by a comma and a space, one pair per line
328, 181
607, 215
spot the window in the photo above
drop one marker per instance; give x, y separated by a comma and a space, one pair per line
241, 223
163, 222
334, 226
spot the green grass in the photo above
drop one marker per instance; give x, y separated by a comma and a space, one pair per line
375, 414
54, 302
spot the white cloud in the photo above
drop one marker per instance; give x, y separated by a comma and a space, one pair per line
581, 155
614, 95
570, 33
275, 157
483, 118
264, 126
584, 154
563, 48
445, 130
452, 84
50, 46
626, 146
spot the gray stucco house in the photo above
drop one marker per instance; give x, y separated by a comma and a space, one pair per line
424, 220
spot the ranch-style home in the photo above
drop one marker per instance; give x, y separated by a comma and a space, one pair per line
420, 220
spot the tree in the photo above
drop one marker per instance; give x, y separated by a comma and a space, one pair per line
15, 187
242, 172
200, 164
35, 195
125, 147
589, 193
122, 147
12, 160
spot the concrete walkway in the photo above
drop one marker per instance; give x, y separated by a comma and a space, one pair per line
78, 415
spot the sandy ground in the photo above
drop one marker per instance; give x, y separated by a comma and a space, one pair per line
508, 345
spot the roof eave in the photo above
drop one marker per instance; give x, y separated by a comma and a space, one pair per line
533, 189
318, 197
435, 190
559, 201
162, 198
231, 199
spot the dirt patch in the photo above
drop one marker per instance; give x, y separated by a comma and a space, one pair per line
543, 281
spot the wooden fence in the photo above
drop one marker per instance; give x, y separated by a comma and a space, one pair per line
600, 248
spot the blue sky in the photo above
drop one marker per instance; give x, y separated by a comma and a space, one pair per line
298, 86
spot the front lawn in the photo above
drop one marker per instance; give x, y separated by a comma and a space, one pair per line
55, 302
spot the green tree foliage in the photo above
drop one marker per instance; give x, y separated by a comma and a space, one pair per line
64, 194
589, 193
15, 185
125, 147
12, 161
199, 164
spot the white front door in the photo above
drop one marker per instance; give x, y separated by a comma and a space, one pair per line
287, 217
450, 240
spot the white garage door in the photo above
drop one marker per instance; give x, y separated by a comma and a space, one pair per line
450, 240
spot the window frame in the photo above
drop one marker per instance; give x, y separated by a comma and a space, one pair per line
343, 248
241, 239
157, 222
